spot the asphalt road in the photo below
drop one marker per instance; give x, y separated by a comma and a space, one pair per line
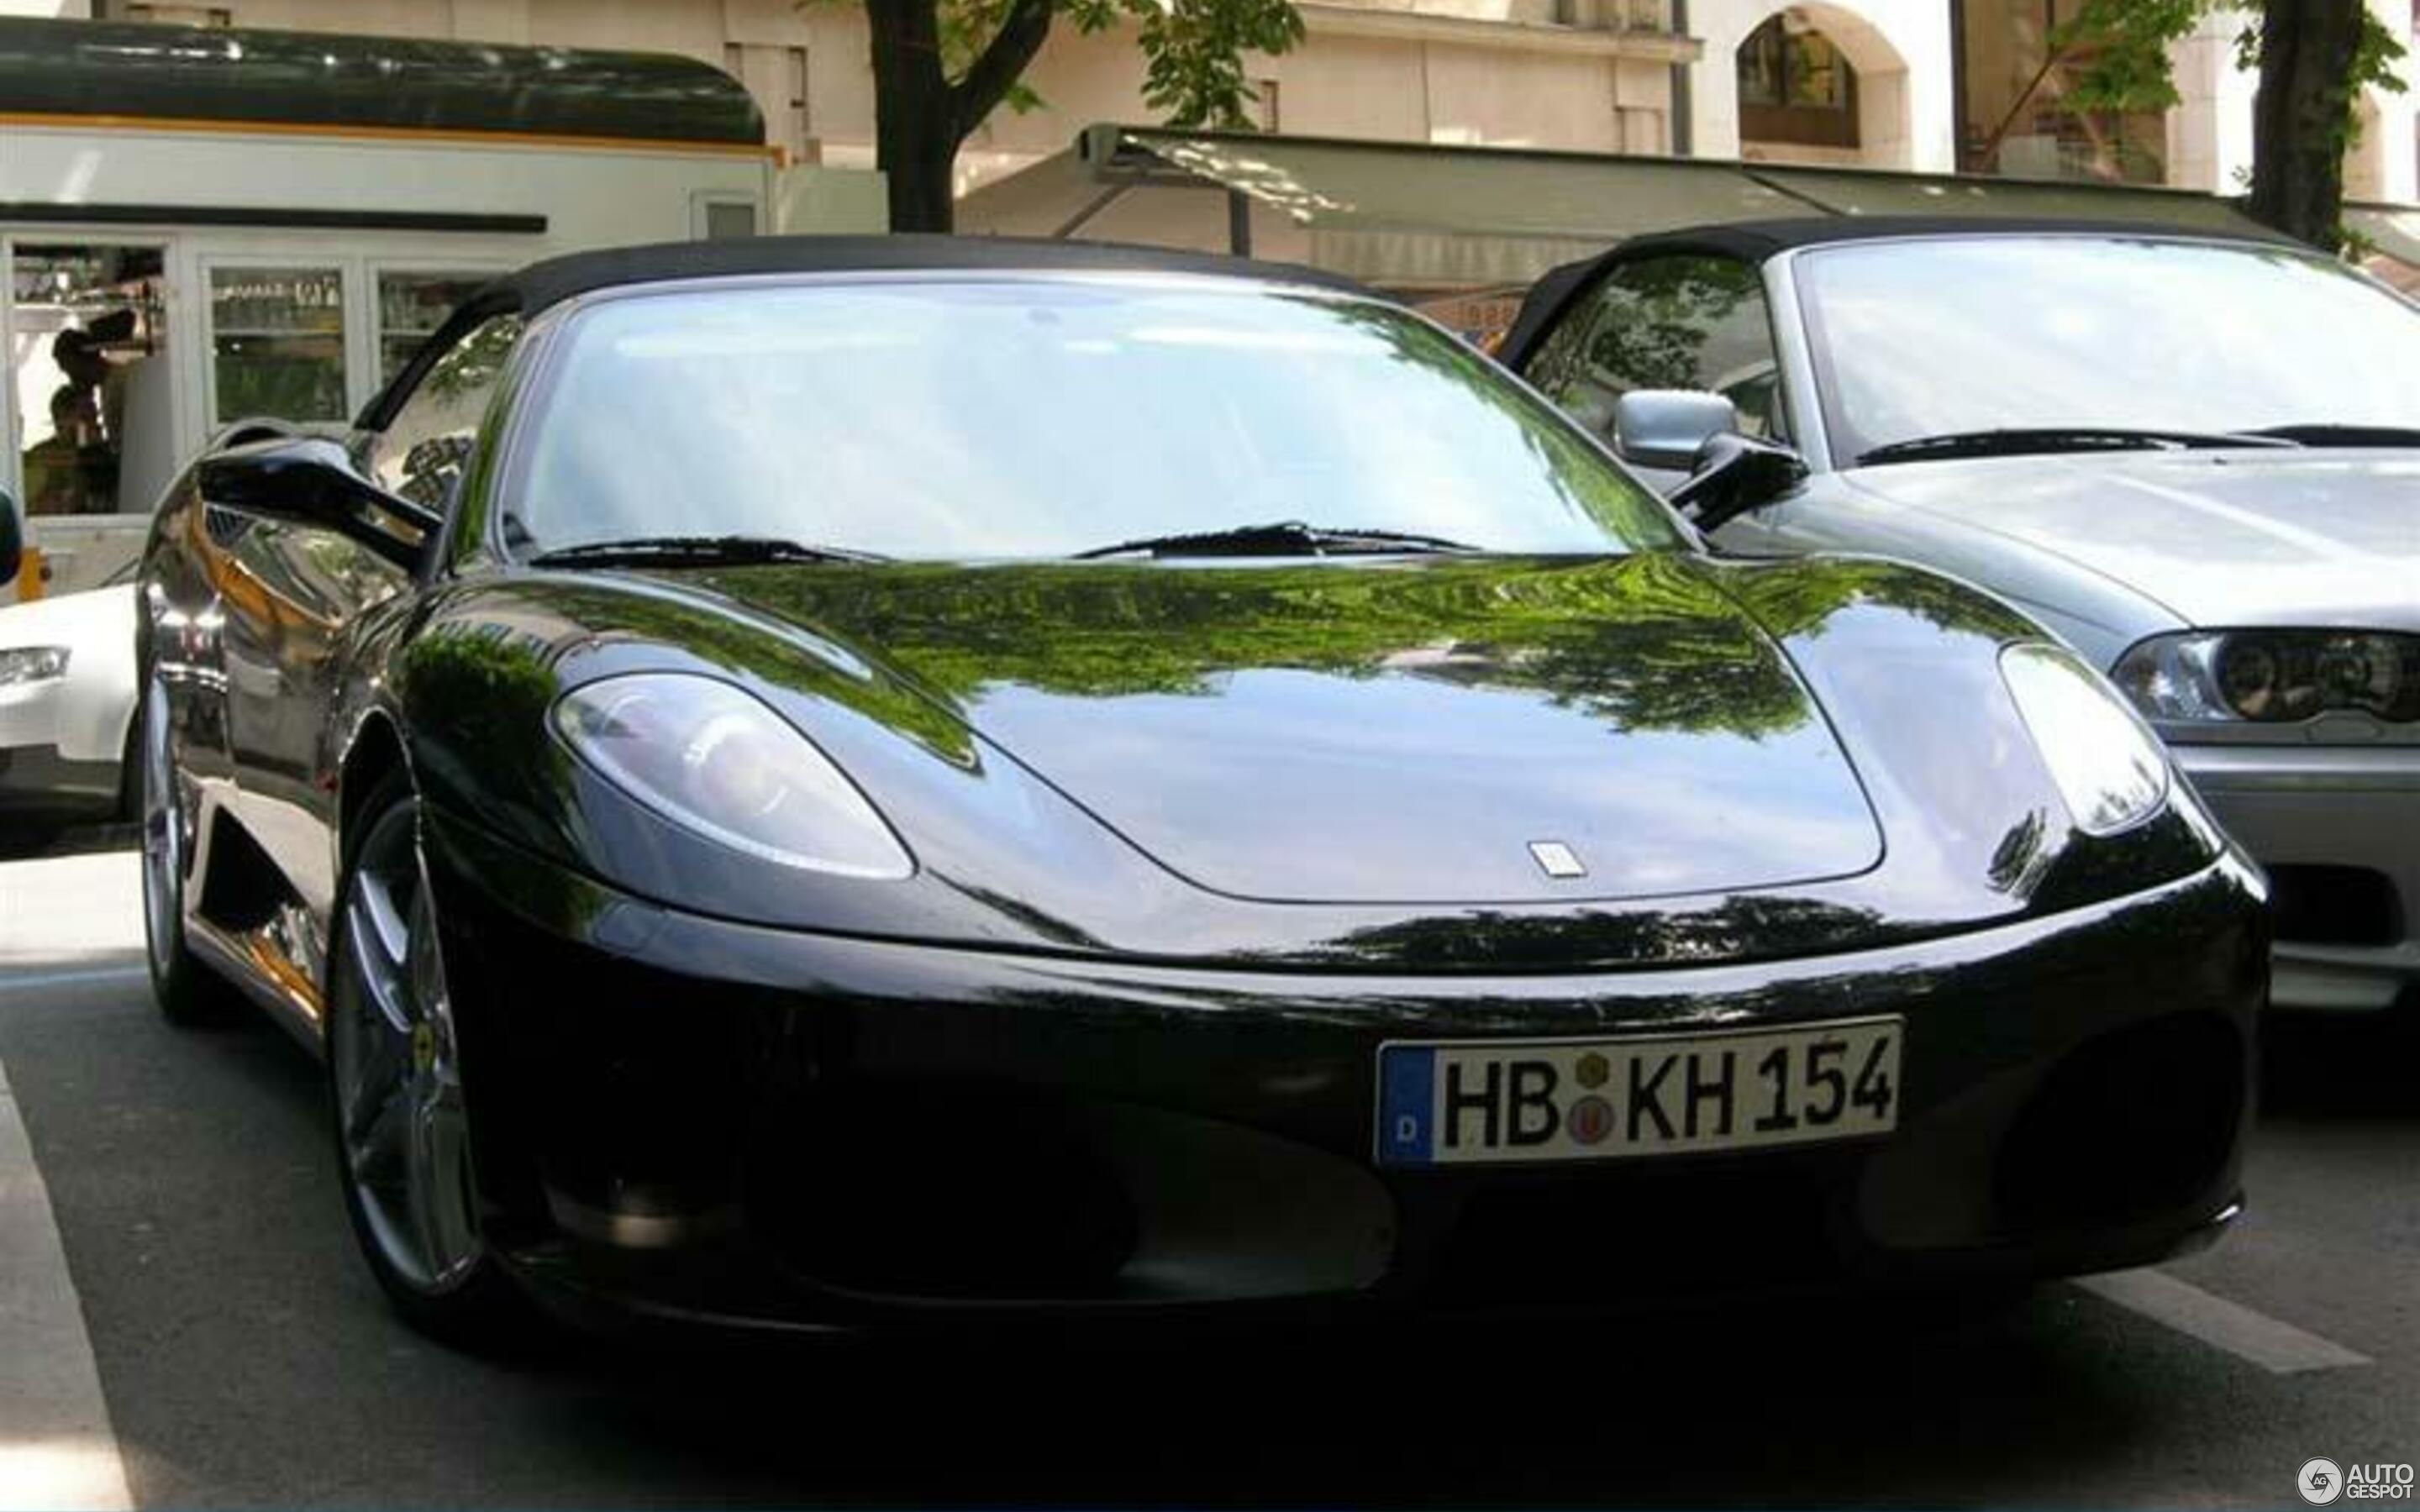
246, 1357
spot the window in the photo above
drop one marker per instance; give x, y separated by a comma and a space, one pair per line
1795, 87
962, 421
277, 344
1677, 322
171, 15
425, 448
729, 219
1941, 336
93, 388
411, 307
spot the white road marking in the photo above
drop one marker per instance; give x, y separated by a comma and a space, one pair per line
56, 1447
11, 981
2280, 1348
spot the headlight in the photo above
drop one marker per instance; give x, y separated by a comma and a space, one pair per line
2109, 767
32, 664
718, 763
2273, 676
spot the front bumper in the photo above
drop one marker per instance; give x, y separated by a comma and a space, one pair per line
40, 785
2347, 817
679, 1117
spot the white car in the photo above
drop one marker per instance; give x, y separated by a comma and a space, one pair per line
66, 697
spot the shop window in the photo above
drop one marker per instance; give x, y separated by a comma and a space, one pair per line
95, 414
277, 344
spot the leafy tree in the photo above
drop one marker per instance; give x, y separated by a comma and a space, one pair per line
941, 67
2315, 58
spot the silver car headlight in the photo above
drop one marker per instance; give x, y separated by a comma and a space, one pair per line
32, 664
2109, 766
719, 763
2272, 676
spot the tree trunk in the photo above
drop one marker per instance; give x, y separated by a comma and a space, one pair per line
2300, 117
915, 120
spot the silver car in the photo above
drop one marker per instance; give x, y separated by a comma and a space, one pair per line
2197, 457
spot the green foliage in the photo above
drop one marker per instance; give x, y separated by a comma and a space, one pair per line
1194, 50
1645, 643
2125, 46
2119, 52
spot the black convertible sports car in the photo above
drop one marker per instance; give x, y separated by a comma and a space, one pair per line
828, 781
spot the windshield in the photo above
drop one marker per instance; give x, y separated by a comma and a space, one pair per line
1036, 417
1943, 337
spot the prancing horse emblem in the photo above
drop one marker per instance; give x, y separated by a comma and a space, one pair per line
1556, 858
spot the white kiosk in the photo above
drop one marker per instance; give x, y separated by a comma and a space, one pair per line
202, 227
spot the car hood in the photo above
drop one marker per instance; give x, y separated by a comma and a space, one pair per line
88, 618
1375, 731
2217, 539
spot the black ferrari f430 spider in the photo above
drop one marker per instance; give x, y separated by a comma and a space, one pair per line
821, 783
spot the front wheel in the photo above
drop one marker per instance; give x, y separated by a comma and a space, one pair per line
188, 992
402, 1126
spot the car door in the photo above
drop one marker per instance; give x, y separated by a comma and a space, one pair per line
293, 587
1666, 320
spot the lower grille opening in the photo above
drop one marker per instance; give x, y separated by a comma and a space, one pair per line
938, 1191
1696, 1230
2131, 1124
2334, 905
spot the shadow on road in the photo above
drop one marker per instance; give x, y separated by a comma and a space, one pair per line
2319, 1066
1749, 1408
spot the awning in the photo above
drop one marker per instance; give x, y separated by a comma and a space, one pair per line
1420, 216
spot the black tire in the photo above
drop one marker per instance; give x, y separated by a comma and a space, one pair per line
400, 1124
190, 993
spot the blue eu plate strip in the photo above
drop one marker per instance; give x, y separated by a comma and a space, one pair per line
1407, 1077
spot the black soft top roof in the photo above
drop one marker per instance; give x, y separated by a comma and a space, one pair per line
550, 282
1756, 240
543, 285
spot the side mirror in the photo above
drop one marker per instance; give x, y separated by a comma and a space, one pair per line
1665, 428
12, 543
310, 480
1733, 474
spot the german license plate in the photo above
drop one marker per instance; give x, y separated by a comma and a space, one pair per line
1453, 1102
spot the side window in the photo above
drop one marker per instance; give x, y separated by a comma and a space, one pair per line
1677, 322
424, 448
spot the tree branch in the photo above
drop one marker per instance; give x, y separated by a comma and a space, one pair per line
1002, 63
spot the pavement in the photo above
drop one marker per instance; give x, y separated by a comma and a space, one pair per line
184, 1322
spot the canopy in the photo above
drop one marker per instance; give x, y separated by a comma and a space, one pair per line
1420, 216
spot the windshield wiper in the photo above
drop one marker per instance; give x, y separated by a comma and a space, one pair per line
695, 550
2325, 435
1289, 538
2023, 440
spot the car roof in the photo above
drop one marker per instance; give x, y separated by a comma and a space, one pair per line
546, 284
1756, 240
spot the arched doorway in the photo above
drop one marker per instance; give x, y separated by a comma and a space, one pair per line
1819, 84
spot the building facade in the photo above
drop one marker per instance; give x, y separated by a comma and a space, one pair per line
1933, 85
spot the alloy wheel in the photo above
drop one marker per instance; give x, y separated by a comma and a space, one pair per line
402, 1131
164, 836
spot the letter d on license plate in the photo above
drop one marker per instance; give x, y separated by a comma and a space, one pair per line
1448, 1102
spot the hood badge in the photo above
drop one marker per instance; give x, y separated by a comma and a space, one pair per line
1557, 860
